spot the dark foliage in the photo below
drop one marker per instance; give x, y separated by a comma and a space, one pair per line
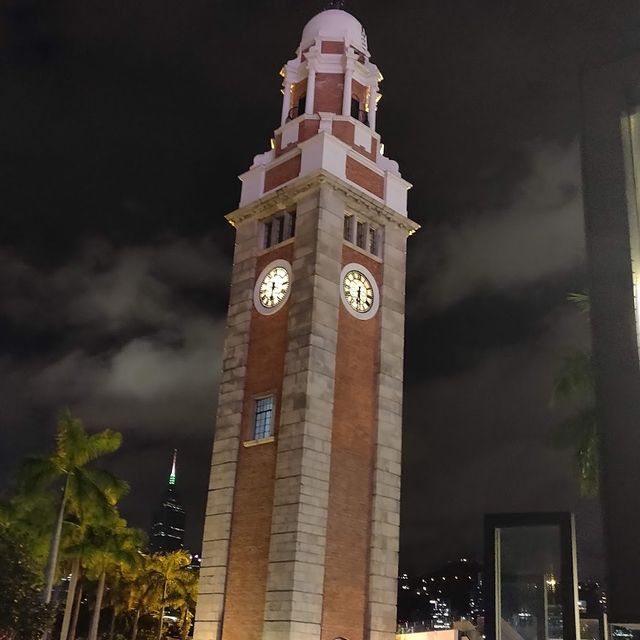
22, 614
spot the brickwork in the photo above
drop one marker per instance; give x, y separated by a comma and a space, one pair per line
306, 129
345, 131
364, 177
281, 173
329, 88
329, 46
253, 499
346, 581
359, 91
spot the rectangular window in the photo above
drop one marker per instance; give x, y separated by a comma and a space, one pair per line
278, 229
348, 228
373, 241
268, 229
292, 224
263, 419
361, 229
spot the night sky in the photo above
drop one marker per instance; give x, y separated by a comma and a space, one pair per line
123, 126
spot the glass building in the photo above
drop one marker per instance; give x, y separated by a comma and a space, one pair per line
610, 162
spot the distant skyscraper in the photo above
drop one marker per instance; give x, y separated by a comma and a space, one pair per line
167, 530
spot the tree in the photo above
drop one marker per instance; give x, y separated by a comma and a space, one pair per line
103, 550
78, 484
143, 588
81, 524
183, 596
574, 384
22, 614
171, 567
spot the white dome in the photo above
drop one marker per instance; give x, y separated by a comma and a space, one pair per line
334, 23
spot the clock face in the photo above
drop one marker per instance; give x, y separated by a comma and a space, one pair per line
358, 291
274, 287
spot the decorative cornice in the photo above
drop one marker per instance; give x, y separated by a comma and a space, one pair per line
293, 191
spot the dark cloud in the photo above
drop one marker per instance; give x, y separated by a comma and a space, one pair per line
129, 348
537, 236
123, 130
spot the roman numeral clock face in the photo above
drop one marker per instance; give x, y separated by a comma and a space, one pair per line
359, 291
272, 287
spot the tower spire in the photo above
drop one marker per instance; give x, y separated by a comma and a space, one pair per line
172, 476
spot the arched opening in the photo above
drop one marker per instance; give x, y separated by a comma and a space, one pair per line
299, 108
357, 112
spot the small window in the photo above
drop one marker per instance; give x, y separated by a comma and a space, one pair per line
355, 108
268, 229
263, 420
292, 225
373, 241
361, 238
348, 228
278, 229
363, 234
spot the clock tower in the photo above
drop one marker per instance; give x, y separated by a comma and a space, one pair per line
302, 520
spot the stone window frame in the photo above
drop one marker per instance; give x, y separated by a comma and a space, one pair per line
272, 235
364, 235
255, 437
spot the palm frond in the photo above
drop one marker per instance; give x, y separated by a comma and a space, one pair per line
102, 443
69, 440
111, 486
581, 299
37, 473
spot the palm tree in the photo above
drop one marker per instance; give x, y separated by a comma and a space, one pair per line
183, 596
79, 484
79, 524
171, 567
143, 586
105, 549
574, 383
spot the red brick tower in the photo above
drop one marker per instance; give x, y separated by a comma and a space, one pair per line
301, 530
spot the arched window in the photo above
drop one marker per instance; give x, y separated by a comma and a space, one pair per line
357, 112
299, 108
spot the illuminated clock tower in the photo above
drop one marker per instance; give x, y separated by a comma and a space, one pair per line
302, 521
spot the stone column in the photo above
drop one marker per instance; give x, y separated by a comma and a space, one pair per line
286, 98
298, 533
373, 105
346, 93
217, 525
385, 516
311, 88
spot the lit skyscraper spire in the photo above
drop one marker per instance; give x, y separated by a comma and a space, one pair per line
172, 475
167, 528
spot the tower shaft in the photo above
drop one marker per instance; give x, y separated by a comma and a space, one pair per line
302, 523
